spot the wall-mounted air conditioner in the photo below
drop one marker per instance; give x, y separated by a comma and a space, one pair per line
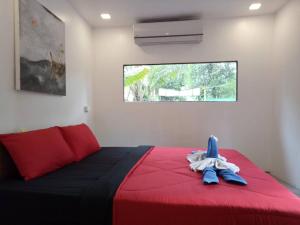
175, 32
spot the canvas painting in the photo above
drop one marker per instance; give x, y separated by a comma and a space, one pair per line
40, 49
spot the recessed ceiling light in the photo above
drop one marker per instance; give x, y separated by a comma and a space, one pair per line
105, 16
255, 6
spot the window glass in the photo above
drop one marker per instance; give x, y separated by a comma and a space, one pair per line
204, 82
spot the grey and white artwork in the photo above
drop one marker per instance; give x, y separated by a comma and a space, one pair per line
40, 49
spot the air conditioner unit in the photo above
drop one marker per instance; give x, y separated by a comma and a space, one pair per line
175, 32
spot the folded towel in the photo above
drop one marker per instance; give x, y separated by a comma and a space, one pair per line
212, 164
198, 162
200, 155
210, 176
212, 148
231, 177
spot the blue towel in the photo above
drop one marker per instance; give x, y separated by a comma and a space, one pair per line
212, 149
210, 176
231, 177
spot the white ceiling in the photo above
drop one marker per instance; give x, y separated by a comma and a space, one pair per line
128, 12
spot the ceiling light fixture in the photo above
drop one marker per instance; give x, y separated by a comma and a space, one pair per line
255, 6
105, 16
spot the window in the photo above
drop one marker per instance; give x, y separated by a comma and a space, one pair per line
203, 82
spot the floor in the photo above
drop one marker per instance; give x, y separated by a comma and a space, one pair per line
291, 188
295, 190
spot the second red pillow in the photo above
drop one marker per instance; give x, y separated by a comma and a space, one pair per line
81, 140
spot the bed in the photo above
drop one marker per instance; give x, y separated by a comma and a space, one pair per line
80, 193
161, 190
146, 186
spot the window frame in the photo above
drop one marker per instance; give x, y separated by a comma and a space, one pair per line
184, 63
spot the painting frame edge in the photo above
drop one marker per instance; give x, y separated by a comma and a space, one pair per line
17, 45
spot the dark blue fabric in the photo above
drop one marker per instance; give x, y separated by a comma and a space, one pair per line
210, 176
229, 176
78, 194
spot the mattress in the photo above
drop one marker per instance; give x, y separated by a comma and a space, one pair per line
161, 190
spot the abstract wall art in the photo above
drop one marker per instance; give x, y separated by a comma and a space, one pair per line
40, 49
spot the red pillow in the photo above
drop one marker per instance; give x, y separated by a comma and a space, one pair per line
36, 153
81, 140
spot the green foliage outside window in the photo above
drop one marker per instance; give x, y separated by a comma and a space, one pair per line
181, 82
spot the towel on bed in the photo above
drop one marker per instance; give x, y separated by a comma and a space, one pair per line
212, 164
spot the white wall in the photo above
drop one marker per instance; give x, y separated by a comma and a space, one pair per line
286, 154
24, 110
246, 125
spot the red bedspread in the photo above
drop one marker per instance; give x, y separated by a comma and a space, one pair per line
161, 190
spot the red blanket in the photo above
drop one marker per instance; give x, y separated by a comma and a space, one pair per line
162, 190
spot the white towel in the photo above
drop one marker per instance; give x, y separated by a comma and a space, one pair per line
198, 162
